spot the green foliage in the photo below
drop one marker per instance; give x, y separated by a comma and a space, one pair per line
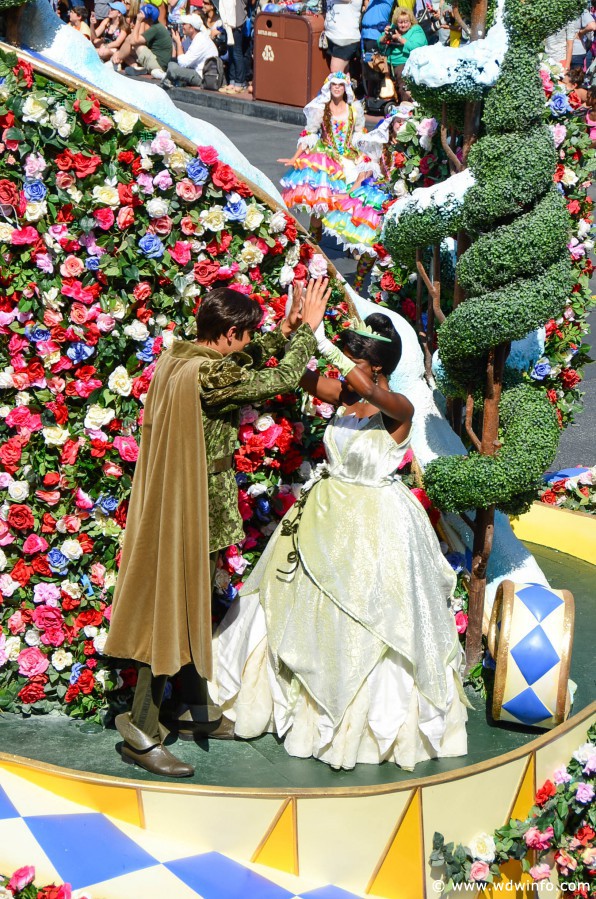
421, 228
524, 248
503, 315
510, 479
516, 101
530, 22
511, 171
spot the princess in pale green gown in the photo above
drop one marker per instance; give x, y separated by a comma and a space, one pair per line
342, 641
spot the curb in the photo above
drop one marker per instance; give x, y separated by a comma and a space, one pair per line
259, 109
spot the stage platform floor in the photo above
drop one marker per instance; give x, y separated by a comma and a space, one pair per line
263, 762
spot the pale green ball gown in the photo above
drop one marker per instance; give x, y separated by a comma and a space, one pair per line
348, 649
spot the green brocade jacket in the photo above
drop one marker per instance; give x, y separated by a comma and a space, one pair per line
227, 383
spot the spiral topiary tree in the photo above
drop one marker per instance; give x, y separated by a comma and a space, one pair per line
516, 275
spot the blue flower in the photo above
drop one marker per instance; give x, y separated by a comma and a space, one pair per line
235, 208
76, 672
197, 171
80, 352
457, 561
488, 661
145, 353
107, 504
35, 191
559, 104
263, 509
151, 246
541, 370
57, 561
36, 334
230, 592
92, 263
241, 479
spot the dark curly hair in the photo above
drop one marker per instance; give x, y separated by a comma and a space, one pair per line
377, 352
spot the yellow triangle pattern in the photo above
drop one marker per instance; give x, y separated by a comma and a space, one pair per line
510, 873
400, 874
279, 847
527, 789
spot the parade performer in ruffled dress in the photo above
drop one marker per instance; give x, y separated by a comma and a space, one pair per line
358, 225
342, 641
324, 164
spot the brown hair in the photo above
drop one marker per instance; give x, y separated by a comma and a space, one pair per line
224, 308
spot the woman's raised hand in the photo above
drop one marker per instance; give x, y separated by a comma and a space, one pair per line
315, 302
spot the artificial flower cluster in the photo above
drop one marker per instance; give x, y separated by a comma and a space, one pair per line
558, 836
576, 492
111, 232
20, 885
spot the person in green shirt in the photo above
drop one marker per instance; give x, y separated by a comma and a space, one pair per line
397, 42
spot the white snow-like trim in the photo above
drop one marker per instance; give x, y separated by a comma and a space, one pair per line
447, 195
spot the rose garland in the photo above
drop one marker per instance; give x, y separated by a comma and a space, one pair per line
577, 492
20, 885
560, 829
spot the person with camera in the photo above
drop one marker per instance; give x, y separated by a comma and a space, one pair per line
188, 68
398, 40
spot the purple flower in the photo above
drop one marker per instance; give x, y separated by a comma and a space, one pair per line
44, 262
559, 104
585, 793
151, 246
541, 370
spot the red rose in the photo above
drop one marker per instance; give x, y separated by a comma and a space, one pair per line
223, 176
291, 461
48, 524
86, 542
291, 231
24, 70
88, 618
51, 479
85, 165
71, 693
125, 194
573, 207
22, 573
104, 217
86, 681
208, 155
55, 892
546, 791
126, 157
31, 692
549, 498
585, 834
41, 567
69, 453
570, 378
206, 272
300, 272
64, 161
399, 160
408, 308
121, 513
20, 518
388, 282
9, 195
11, 452
92, 114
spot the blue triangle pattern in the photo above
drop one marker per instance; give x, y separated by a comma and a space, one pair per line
539, 600
535, 655
7, 809
527, 708
213, 876
328, 892
87, 848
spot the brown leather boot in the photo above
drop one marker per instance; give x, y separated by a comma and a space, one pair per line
196, 722
142, 750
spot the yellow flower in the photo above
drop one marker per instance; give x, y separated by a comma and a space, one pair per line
254, 218
125, 120
35, 110
55, 435
250, 255
35, 211
213, 218
177, 160
106, 195
5, 232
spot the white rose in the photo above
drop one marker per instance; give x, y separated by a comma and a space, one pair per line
50, 296
7, 585
106, 195
55, 435
99, 641
5, 232
35, 109
101, 678
72, 549
117, 309
250, 255
254, 218
72, 590
3, 560
168, 339
264, 423
125, 120
277, 222
157, 207
110, 580
317, 267
583, 229
12, 648
213, 218
584, 752
293, 255
400, 189
59, 121
161, 320
90, 631
18, 490
483, 847
6, 381
35, 211
32, 637
283, 240
257, 490
23, 398
75, 194
4, 411
61, 659
286, 276
97, 417
569, 177
137, 330
119, 381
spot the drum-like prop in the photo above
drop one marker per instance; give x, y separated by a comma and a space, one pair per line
530, 638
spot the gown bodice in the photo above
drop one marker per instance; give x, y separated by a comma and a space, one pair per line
361, 451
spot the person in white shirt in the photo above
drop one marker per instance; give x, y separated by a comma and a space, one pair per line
564, 46
342, 30
188, 67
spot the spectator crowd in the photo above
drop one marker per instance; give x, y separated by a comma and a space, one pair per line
209, 43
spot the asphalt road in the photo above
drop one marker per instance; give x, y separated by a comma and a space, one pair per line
263, 143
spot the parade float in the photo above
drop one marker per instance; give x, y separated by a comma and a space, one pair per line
119, 211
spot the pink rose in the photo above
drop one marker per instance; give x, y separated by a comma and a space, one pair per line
98, 572
53, 636
16, 624
188, 190
83, 500
163, 180
540, 872
162, 225
534, 839
111, 470
72, 267
208, 155
162, 143
32, 661
21, 878
34, 544
103, 124
125, 217
479, 871
269, 437
180, 252
565, 862
23, 236
461, 622
46, 616
64, 180
105, 323
127, 447
46, 593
